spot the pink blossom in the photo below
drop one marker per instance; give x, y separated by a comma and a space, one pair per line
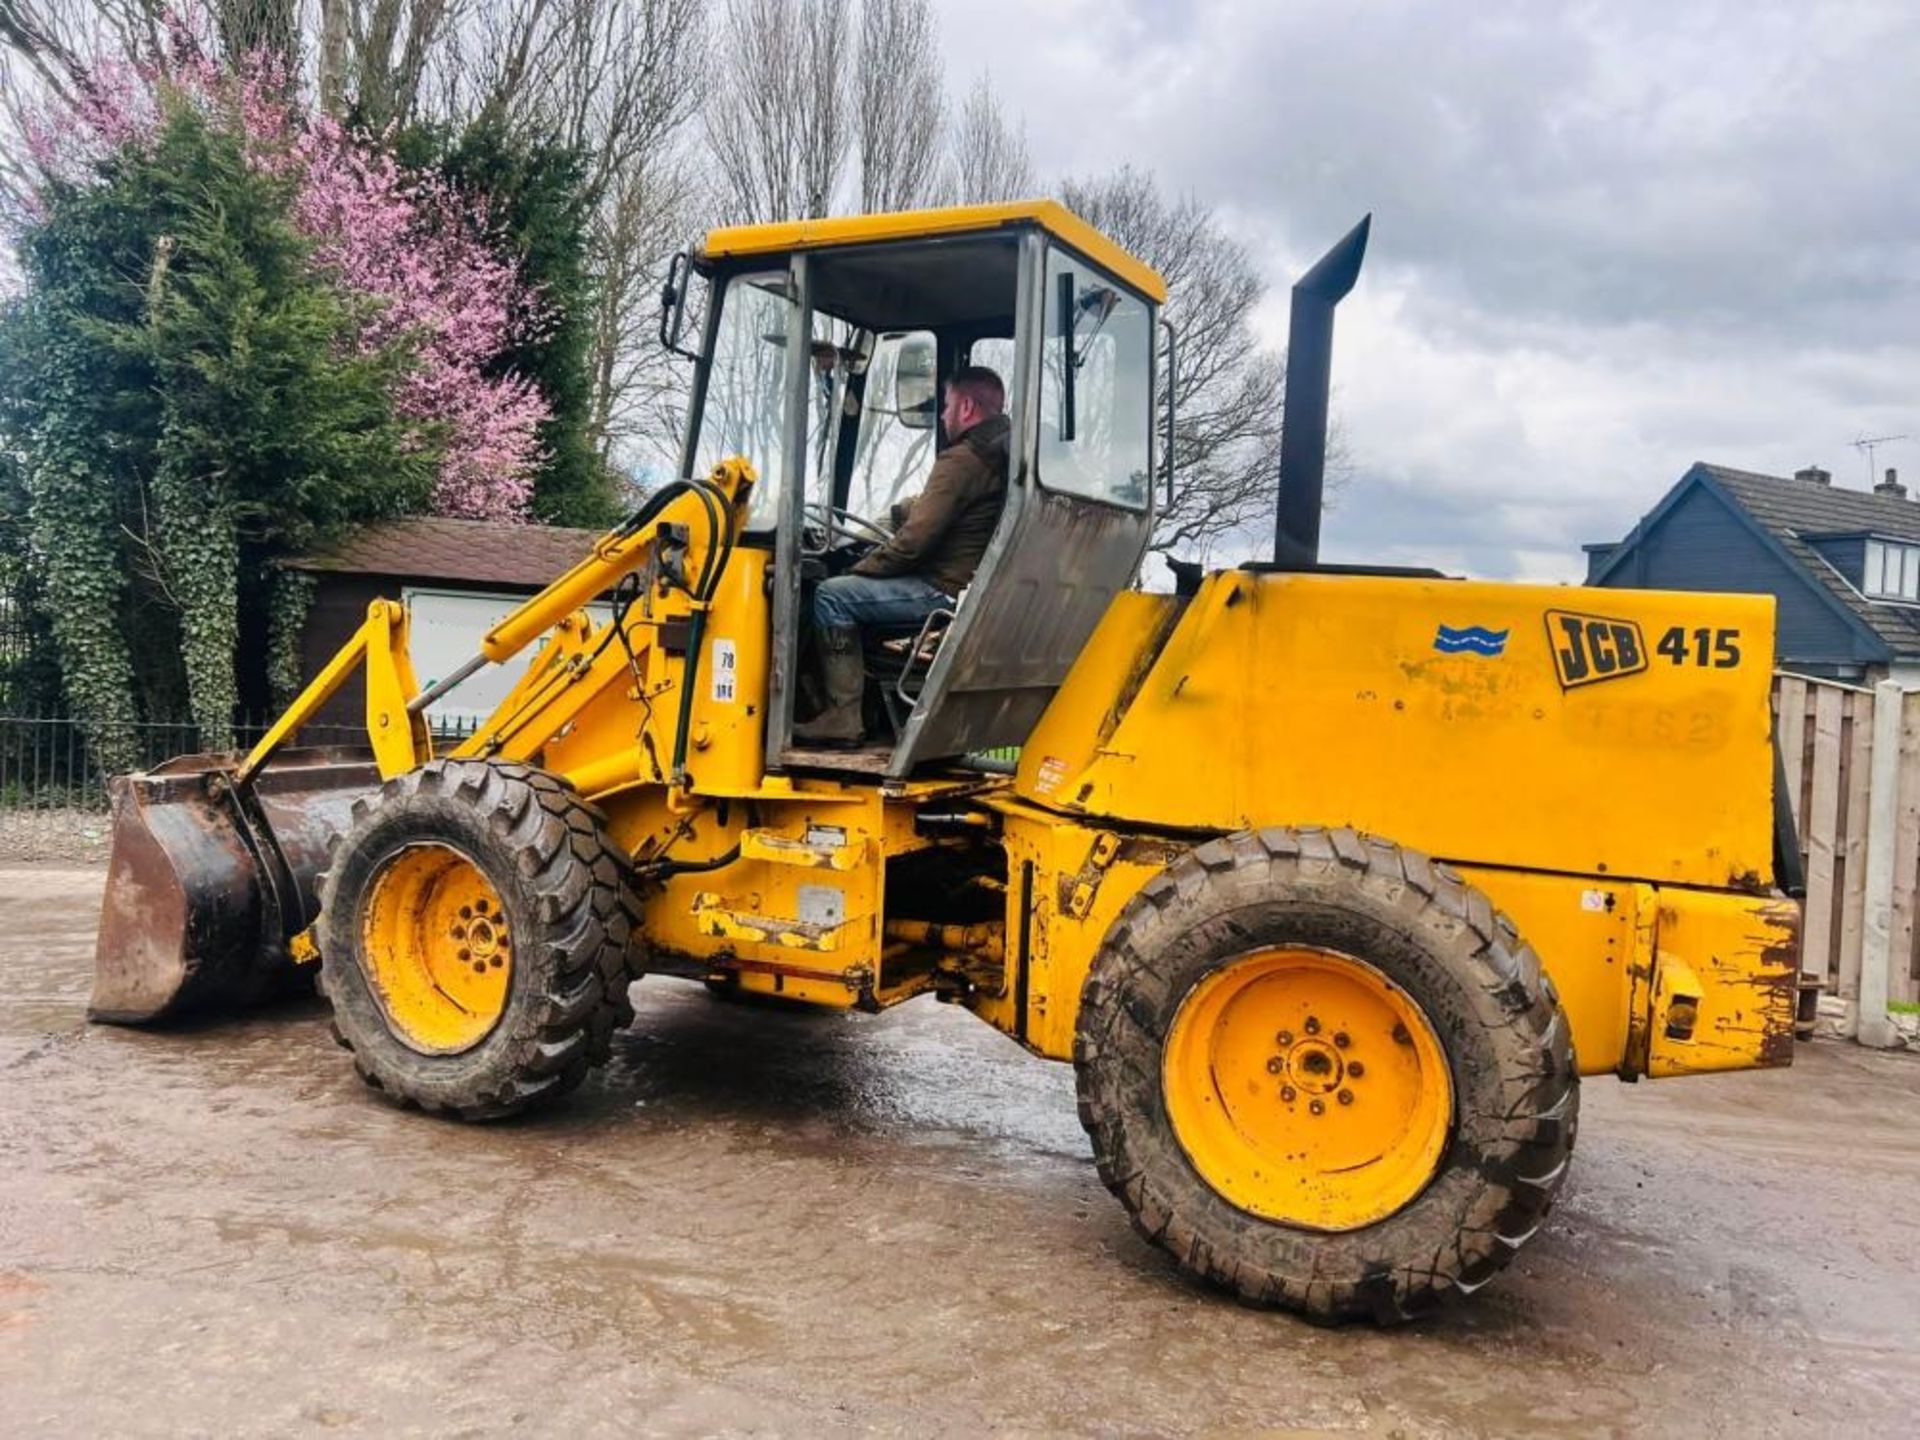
411, 244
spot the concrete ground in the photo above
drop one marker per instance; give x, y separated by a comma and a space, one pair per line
762, 1222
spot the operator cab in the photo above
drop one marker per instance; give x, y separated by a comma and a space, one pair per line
825, 345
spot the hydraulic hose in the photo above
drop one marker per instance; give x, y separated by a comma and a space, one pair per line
719, 552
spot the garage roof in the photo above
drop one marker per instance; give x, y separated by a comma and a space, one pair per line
482, 553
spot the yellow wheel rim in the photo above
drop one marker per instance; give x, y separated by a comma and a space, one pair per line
438, 949
1307, 1088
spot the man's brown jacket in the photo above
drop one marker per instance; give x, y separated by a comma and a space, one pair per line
947, 526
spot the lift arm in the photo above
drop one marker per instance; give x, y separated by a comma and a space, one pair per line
396, 706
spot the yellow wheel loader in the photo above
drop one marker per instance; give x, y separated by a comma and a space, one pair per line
1330, 881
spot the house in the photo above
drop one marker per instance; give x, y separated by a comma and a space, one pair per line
1843, 564
456, 577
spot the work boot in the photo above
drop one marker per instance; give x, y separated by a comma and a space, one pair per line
843, 671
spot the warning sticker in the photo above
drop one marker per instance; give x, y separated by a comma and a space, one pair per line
1595, 900
725, 688
1052, 771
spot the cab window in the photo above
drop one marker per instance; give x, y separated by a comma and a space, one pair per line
745, 409
897, 423
1096, 379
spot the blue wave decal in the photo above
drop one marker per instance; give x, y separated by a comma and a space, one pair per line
1470, 639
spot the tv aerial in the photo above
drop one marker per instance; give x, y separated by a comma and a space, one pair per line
1866, 445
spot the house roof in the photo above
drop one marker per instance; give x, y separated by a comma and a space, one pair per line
1789, 513
1793, 511
478, 552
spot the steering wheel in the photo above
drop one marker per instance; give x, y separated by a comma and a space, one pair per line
824, 519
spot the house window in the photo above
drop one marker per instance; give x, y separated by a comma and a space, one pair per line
1893, 571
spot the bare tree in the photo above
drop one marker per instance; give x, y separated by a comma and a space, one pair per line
330, 81
59, 39
821, 100
388, 46
1229, 391
42, 44
639, 391
777, 119
902, 104
989, 159
247, 27
612, 79
617, 81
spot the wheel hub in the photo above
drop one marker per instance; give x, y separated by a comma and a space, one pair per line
1313, 1066
485, 944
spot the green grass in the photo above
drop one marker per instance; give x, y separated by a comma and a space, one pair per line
1903, 1007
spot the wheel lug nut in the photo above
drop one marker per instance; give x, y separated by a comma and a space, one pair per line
1286, 1093
479, 967
466, 954
1276, 1065
1340, 1041
1401, 1036
1313, 1026
1345, 1097
1285, 1037
1356, 1069
1318, 1107
466, 912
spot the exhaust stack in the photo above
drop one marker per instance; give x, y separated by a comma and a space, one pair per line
1303, 436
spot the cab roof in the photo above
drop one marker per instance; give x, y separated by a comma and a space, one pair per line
1048, 215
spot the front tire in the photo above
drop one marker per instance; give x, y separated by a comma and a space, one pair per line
1325, 1074
474, 932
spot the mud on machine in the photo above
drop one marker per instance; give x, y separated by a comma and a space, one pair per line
1331, 882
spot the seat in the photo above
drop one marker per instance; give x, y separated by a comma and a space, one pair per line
898, 658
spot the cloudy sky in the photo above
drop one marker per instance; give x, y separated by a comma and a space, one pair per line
1609, 239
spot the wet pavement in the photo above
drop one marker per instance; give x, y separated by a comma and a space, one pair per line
759, 1221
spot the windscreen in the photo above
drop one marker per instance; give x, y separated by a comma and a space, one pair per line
745, 409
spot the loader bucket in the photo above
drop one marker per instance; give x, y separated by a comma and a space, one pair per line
207, 881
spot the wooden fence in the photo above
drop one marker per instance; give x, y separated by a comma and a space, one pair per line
1827, 736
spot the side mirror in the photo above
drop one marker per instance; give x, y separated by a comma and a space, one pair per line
673, 305
916, 383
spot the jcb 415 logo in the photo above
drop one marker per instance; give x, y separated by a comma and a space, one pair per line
1590, 648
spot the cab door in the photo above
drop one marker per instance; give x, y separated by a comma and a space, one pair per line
1078, 516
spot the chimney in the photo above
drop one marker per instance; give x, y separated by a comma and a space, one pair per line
1814, 475
1891, 485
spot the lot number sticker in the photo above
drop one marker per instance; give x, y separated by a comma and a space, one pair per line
724, 672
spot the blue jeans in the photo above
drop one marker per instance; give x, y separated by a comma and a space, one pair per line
893, 601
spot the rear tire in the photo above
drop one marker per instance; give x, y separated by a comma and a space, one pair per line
1372, 925
404, 962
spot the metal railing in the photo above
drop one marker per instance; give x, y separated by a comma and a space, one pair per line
46, 762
